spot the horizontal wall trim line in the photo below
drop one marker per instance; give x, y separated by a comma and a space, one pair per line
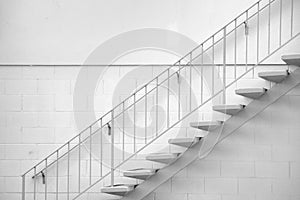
131, 65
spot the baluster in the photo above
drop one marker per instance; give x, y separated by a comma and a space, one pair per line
79, 162
156, 127
123, 131
213, 66
23, 186
134, 122
191, 57
34, 183
257, 40
202, 81
112, 148
90, 157
46, 178
235, 47
280, 21
178, 79
292, 17
145, 114
269, 26
168, 99
224, 66
57, 157
68, 172
246, 40
101, 147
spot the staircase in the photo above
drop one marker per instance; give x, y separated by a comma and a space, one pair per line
123, 147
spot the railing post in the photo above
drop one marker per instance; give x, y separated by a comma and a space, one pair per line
57, 168
112, 149
79, 162
280, 21
134, 122
292, 17
68, 173
146, 114
246, 40
257, 39
269, 27
156, 126
46, 179
224, 66
202, 82
101, 147
123, 131
213, 67
178, 80
23, 186
191, 57
168, 100
34, 184
235, 46
90, 157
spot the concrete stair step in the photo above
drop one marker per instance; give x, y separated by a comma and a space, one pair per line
165, 158
184, 142
274, 76
229, 109
253, 93
141, 173
291, 59
120, 189
206, 125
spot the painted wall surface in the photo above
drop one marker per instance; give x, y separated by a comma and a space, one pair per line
36, 103
66, 31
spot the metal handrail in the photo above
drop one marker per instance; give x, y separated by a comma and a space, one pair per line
149, 82
190, 57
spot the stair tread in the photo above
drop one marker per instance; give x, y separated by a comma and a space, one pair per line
184, 142
229, 109
141, 170
141, 173
253, 93
206, 125
162, 157
274, 76
291, 59
120, 189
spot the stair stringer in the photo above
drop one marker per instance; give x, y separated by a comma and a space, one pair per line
259, 105
254, 108
165, 173
230, 126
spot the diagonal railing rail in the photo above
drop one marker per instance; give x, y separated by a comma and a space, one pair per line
242, 40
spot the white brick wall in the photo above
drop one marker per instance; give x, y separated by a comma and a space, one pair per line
254, 185
221, 185
237, 169
38, 103
37, 116
195, 185
30, 125
10, 103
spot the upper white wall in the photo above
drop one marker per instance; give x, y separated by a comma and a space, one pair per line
66, 31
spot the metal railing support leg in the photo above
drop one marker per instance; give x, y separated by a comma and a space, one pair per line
112, 135
224, 66
23, 187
